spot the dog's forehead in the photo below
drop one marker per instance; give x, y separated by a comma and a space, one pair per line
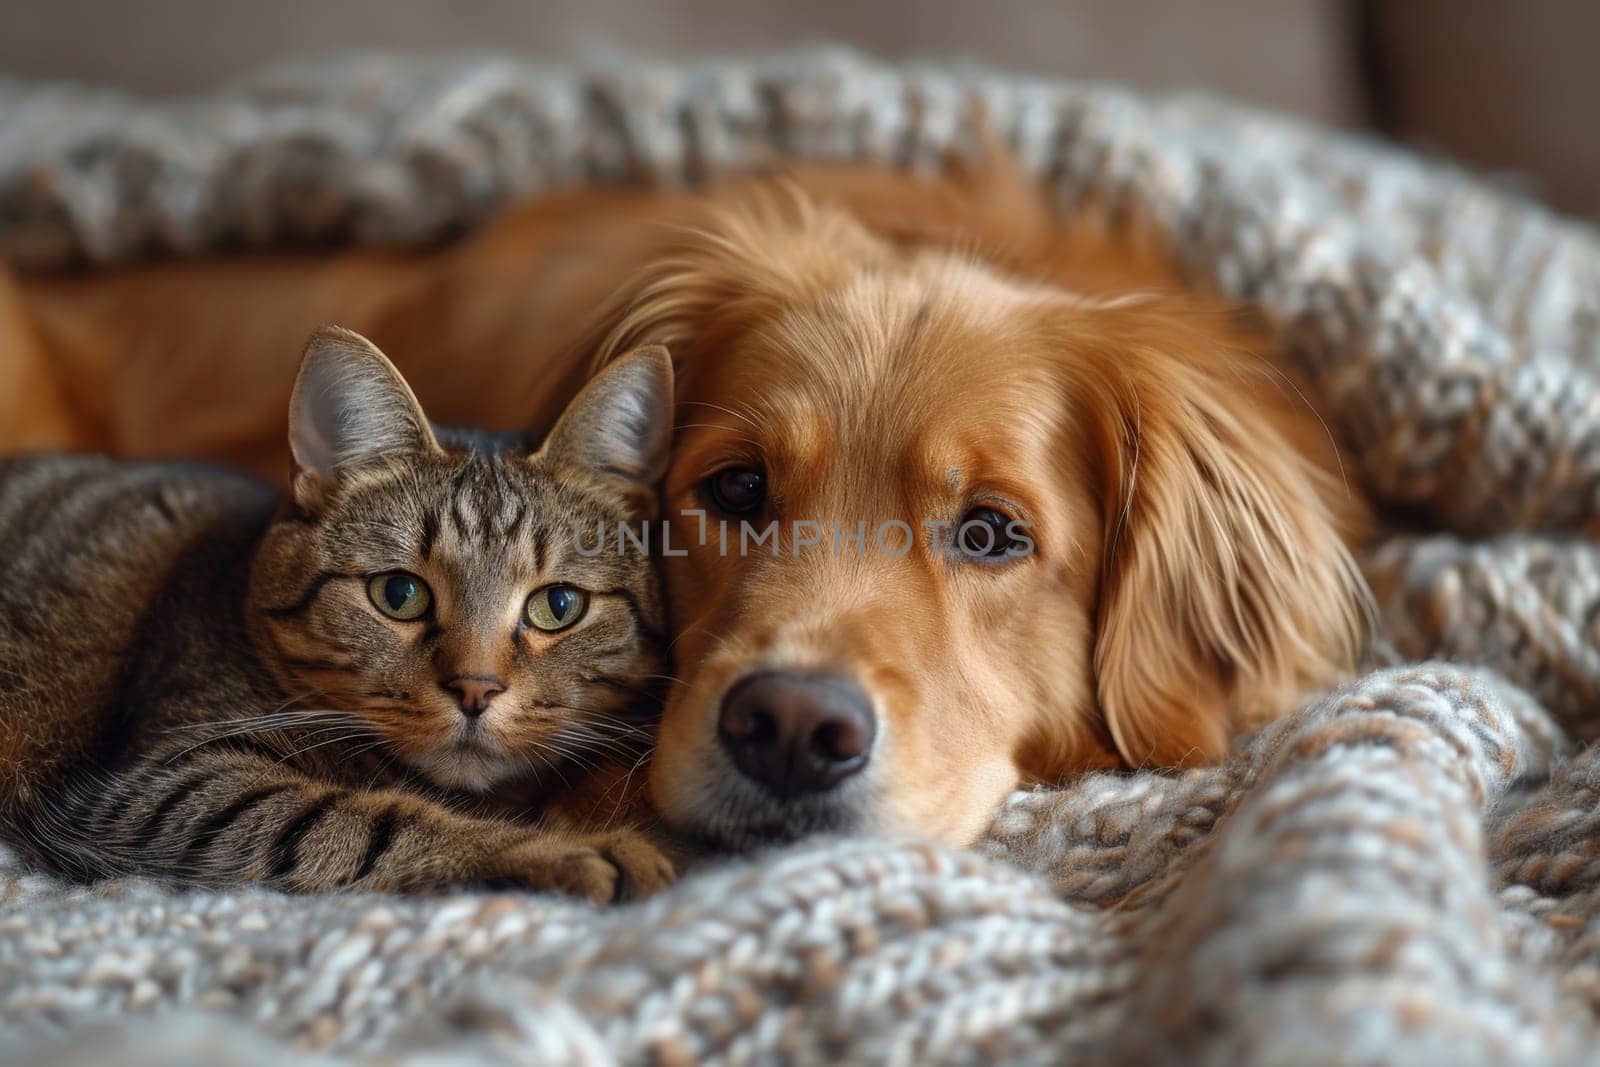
897, 347
934, 372
951, 406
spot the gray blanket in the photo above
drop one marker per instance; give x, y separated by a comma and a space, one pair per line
1407, 870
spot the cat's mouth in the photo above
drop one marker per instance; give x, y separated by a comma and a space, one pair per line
471, 763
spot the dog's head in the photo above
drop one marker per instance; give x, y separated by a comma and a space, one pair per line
945, 530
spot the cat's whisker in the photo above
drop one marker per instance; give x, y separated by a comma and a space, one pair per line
320, 744
286, 706
282, 711
578, 709
591, 735
670, 679
296, 715
255, 722
619, 726
621, 789
362, 750
685, 632
596, 743
276, 723
553, 766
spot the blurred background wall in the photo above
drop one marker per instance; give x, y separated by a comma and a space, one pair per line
1504, 85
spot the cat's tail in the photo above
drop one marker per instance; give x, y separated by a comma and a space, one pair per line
36, 786
40, 818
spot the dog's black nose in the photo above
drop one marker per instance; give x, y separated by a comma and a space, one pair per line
797, 733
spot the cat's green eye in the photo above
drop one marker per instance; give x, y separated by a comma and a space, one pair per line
556, 607
400, 595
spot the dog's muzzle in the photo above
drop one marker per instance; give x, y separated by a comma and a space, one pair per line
796, 735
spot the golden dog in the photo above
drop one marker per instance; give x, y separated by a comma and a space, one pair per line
967, 495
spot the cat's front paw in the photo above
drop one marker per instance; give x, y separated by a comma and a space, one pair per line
605, 867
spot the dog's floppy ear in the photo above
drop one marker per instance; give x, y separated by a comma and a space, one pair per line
1227, 590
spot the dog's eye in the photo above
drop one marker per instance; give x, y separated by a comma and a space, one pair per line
987, 534
737, 490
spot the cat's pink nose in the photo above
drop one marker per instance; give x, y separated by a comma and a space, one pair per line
474, 692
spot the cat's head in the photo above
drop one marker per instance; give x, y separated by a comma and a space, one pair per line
436, 592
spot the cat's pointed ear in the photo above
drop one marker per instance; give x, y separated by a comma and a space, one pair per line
620, 426
350, 405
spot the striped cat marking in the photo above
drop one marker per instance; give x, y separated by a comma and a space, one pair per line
198, 682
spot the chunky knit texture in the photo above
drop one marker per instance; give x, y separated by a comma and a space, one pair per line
1405, 871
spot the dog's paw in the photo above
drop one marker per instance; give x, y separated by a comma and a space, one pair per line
605, 868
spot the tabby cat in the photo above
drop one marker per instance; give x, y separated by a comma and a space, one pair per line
202, 682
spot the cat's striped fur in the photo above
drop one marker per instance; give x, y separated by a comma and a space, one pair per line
196, 684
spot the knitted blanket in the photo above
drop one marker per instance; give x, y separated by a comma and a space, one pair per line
1407, 870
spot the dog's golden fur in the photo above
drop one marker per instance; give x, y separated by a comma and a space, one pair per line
883, 348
